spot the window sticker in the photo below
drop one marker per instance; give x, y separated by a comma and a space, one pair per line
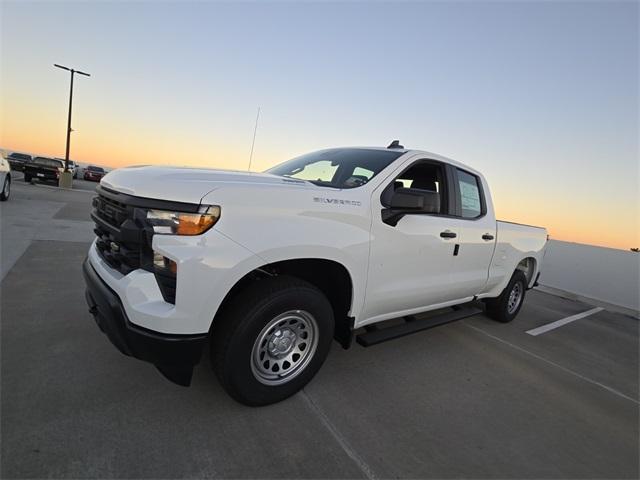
470, 197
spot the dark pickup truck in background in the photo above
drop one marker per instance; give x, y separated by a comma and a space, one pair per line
43, 168
17, 160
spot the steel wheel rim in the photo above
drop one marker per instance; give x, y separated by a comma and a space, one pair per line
515, 297
284, 347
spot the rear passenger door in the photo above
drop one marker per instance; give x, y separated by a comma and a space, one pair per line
477, 238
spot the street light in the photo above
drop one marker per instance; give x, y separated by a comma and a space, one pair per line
66, 157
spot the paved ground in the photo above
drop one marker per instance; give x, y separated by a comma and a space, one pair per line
471, 399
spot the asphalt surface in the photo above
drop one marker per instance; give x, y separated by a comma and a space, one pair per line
470, 399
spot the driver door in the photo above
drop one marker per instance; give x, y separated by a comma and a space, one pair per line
411, 263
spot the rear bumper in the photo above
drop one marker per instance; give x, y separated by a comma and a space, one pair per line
174, 355
45, 175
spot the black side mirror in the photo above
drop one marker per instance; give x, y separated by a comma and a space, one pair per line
410, 200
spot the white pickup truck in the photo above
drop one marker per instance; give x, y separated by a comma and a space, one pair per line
267, 268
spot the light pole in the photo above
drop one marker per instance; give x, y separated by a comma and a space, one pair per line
66, 157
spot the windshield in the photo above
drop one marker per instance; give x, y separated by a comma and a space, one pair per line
338, 167
96, 169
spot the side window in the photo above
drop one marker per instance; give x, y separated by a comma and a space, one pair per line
421, 176
470, 198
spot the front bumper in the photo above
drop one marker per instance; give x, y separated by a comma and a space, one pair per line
174, 355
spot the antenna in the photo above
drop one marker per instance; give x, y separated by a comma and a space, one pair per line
255, 130
395, 144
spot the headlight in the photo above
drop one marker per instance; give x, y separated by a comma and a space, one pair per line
180, 223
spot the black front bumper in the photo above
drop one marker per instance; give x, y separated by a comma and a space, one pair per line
174, 355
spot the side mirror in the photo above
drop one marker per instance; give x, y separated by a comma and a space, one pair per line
410, 200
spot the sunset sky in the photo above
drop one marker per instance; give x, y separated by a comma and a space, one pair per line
540, 96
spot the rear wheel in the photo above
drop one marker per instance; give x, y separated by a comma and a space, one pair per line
6, 189
271, 339
27, 178
506, 307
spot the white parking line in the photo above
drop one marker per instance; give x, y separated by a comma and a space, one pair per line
558, 323
351, 453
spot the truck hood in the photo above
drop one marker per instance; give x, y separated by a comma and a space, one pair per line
182, 184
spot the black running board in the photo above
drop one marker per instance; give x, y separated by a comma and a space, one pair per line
374, 335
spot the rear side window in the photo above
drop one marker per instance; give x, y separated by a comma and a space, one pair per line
470, 196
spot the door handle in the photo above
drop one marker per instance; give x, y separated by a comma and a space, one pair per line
487, 236
448, 234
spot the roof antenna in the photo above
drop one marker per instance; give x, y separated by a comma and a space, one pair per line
255, 130
395, 144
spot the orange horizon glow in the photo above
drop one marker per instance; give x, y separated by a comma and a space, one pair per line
561, 223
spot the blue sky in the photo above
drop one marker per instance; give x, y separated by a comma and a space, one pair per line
541, 96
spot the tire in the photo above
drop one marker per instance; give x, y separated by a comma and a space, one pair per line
27, 178
505, 308
247, 351
6, 189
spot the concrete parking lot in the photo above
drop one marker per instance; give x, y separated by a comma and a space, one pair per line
470, 399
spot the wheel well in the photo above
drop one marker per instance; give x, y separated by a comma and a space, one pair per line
528, 267
330, 277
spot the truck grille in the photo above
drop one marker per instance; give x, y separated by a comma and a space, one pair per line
120, 239
124, 239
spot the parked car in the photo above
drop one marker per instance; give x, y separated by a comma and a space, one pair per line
5, 179
93, 173
44, 169
17, 160
73, 167
268, 267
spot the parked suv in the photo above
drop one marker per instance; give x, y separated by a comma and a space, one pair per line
93, 173
268, 267
73, 167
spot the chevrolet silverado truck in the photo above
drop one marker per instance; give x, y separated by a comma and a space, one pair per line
265, 269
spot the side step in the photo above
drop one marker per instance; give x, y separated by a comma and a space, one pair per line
374, 335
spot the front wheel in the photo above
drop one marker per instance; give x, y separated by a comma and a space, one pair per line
271, 340
505, 307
